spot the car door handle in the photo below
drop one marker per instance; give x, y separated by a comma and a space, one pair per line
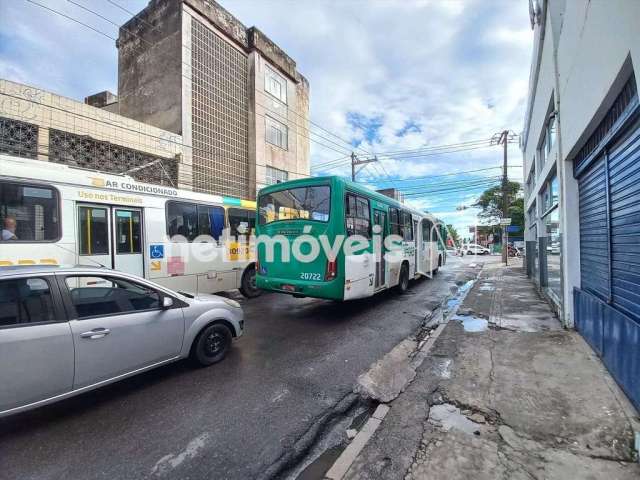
95, 333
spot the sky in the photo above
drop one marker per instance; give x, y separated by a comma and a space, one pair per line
385, 76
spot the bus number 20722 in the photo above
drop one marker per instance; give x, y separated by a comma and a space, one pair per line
310, 276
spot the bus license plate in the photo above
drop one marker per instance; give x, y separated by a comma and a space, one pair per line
289, 288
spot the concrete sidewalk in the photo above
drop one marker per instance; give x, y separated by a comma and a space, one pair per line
505, 393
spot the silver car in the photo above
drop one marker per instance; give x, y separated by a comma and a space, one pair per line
64, 331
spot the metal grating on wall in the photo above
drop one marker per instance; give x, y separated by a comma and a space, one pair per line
86, 152
219, 115
624, 99
18, 138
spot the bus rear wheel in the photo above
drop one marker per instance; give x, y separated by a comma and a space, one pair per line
403, 281
248, 286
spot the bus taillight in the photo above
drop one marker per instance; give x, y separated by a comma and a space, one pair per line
332, 270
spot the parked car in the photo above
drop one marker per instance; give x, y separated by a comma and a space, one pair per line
64, 331
475, 249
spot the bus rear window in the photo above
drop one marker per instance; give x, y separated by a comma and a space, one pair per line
28, 213
308, 203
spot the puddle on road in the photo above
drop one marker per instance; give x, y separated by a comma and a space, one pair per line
487, 287
454, 302
471, 323
448, 416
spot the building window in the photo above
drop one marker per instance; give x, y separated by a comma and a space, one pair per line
275, 84
551, 133
551, 230
548, 139
276, 133
28, 213
275, 175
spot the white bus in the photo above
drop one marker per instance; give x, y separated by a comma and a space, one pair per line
55, 214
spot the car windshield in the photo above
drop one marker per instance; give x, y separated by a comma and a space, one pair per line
308, 203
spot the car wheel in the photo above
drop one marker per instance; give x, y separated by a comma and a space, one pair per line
403, 281
212, 345
248, 286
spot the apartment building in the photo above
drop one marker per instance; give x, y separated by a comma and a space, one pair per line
233, 95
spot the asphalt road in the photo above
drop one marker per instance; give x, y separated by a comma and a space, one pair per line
234, 420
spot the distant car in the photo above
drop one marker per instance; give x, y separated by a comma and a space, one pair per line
475, 249
64, 331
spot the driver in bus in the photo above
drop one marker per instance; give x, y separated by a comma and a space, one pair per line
9, 229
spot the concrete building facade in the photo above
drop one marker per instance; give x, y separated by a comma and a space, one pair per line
236, 99
38, 124
581, 153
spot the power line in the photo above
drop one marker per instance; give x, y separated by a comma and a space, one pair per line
452, 173
72, 19
344, 149
452, 190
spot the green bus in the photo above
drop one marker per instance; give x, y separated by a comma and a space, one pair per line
315, 219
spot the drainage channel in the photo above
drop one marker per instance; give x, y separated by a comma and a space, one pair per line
338, 439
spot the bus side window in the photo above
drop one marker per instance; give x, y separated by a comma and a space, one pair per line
28, 213
210, 221
357, 215
427, 231
182, 219
407, 231
395, 221
245, 219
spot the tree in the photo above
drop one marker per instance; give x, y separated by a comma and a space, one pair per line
490, 202
453, 233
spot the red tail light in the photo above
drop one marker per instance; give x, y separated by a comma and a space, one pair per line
332, 270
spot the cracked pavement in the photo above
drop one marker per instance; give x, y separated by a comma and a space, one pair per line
520, 399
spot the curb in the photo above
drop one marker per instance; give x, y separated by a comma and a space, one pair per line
342, 465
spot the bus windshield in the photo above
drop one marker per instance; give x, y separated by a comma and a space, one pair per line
309, 203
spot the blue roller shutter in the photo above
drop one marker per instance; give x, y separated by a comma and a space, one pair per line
624, 185
594, 231
607, 304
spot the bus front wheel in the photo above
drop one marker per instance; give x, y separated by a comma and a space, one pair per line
403, 281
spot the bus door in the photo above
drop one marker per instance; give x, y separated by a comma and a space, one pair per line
94, 232
111, 237
127, 240
416, 237
380, 218
423, 248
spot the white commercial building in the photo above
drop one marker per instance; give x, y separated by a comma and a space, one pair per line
581, 152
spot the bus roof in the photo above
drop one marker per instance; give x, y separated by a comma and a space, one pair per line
335, 180
27, 169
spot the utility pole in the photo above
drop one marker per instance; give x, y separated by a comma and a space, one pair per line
353, 166
355, 162
505, 200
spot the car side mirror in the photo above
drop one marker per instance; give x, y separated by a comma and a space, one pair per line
167, 302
